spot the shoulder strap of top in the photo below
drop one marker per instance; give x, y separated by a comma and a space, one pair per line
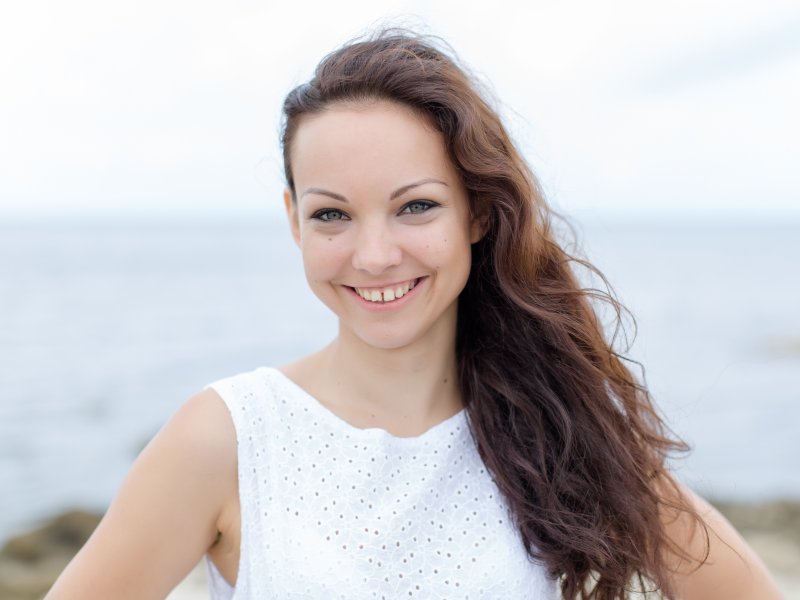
250, 399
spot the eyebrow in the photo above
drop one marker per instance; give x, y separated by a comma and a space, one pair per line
402, 190
395, 194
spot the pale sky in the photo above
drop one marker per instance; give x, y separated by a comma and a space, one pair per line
171, 107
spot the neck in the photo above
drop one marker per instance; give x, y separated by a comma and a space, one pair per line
405, 391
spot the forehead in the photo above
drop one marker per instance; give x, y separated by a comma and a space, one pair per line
375, 142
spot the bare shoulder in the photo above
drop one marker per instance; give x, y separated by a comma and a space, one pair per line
198, 445
202, 426
718, 562
166, 513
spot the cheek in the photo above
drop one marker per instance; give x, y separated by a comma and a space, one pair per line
448, 248
323, 257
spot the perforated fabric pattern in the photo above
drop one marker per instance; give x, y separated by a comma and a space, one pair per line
333, 511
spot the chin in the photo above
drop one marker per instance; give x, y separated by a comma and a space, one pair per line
388, 340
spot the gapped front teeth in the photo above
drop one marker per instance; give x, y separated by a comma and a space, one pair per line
386, 294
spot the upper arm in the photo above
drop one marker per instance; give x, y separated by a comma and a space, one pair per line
164, 516
731, 569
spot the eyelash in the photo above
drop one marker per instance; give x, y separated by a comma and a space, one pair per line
324, 213
321, 215
425, 203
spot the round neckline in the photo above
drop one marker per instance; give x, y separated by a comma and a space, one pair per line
443, 427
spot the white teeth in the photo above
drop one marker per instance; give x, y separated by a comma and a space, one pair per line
387, 294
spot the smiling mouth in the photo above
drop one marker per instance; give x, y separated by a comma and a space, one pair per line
386, 294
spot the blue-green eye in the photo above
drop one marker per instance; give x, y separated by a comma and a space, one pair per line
417, 206
326, 215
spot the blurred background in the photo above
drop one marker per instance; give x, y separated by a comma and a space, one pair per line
144, 253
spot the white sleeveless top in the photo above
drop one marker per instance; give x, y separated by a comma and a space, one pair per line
329, 510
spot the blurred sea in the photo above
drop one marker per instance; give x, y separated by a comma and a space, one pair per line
105, 329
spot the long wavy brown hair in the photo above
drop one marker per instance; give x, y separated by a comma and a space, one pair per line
571, 437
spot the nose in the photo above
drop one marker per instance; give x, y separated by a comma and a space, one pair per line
375, 249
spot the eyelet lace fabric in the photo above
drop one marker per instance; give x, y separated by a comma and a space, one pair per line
329, 510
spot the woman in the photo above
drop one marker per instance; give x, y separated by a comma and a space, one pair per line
469, 433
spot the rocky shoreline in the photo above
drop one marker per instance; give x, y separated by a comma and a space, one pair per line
29, 563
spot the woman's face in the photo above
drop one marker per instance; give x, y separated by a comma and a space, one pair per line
383, 222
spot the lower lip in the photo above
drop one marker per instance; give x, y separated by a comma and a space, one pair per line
392, 304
